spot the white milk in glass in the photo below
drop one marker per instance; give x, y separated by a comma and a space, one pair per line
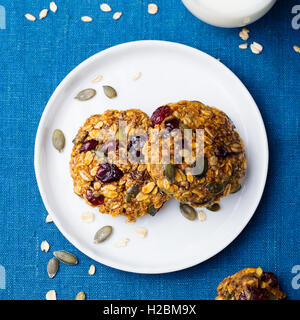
234, 6
229, 13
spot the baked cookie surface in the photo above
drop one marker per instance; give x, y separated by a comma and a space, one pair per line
250, 284
106, 165
198, 155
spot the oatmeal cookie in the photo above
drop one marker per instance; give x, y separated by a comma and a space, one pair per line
250, 284
106, 165
194, 153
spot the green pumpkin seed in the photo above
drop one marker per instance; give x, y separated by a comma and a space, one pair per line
58, 140
202, 202
188, 212
215, 207
237, 189
110, 92
102, 234
152, 210
86, 94
170, 172
80, 296
204, 169
80, 137
161, 191
132, 192
215, 187
100, 154
66, 257
52, 267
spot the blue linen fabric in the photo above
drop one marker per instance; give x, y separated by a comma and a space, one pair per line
36, 56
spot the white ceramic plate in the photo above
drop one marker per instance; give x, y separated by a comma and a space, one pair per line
170, 72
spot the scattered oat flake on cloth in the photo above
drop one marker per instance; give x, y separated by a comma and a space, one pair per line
201, 215
45, 246
297, 49
117, 15
152, 8
87, 217
53, 6
243, 46
30, 17
48, 219
43, 14
86, 19
256, 48
92, 270
105, 7
97, 78
51, 295
121, 243
244, 34
137, 76
142, 232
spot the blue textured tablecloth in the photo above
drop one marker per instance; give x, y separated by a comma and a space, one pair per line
35, 57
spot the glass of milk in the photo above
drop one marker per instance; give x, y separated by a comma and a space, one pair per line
229, 13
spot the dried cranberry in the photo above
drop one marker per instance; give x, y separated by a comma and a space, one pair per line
244, 296
112, 145
160, 114
95, 201
172, 124
270, 276
256, 293
221, 152
89, 145
109, 172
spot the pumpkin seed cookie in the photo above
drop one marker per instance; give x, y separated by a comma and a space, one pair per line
106, 165
198, 155
250, 284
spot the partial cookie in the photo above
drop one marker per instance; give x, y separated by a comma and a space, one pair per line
250, 284
195, 171
106, 165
